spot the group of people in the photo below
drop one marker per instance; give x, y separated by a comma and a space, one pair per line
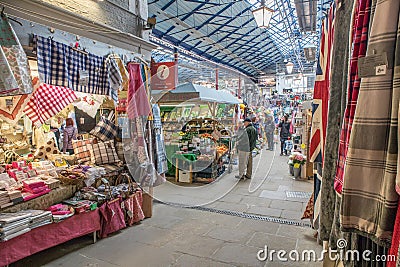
249, 134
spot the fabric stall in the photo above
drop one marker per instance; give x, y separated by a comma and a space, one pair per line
76, 143
354, 137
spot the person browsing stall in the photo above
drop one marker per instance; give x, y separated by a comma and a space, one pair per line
247, 138
70, 133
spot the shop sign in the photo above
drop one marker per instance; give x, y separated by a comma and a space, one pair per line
164, 76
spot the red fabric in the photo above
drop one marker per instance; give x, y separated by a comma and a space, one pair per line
137, 102
321, 90
47, 101
111, 218
133, 208
48, 236
395, 239
360, 40
28, 196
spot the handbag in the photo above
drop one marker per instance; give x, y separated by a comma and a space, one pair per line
132, 207
111, 218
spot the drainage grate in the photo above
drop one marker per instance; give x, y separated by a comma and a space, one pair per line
242, 215
298, 194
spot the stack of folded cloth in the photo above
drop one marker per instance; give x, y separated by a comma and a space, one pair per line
5, 200
15, 196
13, 224
60, 212
39, 218
34, 188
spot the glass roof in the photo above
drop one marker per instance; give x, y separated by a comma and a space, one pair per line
225, 32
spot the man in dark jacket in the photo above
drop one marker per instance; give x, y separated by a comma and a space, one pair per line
269, 128
284, 125
246, 142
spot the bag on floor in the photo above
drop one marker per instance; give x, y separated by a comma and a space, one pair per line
111, 218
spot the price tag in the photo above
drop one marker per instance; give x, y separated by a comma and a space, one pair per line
83, 77
380, 70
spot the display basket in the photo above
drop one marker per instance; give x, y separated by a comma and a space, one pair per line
71, 178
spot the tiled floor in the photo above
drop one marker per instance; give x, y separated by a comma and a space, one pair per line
177, 236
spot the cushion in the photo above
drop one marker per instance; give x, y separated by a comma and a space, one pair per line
82, 150
105, 130
49, 148
104, 153
119, 148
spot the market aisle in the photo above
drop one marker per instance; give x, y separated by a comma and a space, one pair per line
177, 236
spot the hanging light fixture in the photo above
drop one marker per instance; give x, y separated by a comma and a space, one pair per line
263, 15
289, 67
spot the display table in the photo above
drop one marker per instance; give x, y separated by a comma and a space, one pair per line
45, 201
48, 236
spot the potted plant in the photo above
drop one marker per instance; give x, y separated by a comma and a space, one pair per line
298, 160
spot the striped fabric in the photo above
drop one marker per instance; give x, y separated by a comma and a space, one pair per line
360, 39
47, 101
59, 64
321, 90
369, 199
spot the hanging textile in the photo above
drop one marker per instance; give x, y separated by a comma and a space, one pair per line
62, 65
360, 40
321, 90
340, 59
115, 76
47, 101
11, 108
14, 65
394, 248
369, 199
317, 195
160, 154
89, 103
138, 102
7, 36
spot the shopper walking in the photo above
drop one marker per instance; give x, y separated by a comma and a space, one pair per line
284, 134
269, 128
70, 133
247, 138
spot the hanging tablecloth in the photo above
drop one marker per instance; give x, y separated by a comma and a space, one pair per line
62, 65
369, 199
47, 101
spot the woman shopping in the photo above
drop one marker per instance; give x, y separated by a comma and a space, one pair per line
70, 133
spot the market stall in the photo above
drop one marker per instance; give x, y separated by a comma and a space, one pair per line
65, 119
198, 124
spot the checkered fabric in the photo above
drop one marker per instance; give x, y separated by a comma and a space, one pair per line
104, 153
105, 130
360, 41
47, 101
115, 77
61, 65
82, 150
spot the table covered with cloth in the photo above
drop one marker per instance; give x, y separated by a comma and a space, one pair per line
48, 236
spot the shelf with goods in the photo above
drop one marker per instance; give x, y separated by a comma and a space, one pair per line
202, 149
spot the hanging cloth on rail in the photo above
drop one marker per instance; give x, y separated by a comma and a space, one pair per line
369, 199
321, 90
62, 65
360, 40
138, 102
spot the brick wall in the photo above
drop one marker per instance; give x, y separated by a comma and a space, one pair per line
125, 15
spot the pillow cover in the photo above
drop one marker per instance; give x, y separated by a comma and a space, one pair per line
49, 148
104, 153
82, 150
105, 130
